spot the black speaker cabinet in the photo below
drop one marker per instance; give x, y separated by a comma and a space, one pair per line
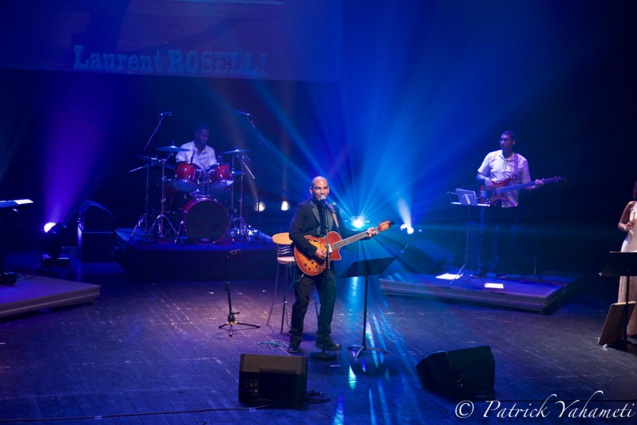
467, 374
94, 217
424, 257
279, 381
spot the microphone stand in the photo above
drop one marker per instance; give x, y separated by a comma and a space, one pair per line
161, 119
323, 354
231, 319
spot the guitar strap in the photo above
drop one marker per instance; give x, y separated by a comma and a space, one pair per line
333, 211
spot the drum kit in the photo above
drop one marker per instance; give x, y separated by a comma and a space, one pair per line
193, 201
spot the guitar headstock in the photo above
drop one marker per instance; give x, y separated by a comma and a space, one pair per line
384, 225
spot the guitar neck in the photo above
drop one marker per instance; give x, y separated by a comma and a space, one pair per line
351, 239
523, 185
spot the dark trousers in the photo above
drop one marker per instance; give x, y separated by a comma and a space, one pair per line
326, 288
495, 236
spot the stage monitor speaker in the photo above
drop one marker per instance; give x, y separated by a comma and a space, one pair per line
467, 374
279, 381
95, 217
424, 257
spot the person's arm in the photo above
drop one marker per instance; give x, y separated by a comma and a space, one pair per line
484, 171
526, 177
181, 156
486, 181
298, 226
625, 223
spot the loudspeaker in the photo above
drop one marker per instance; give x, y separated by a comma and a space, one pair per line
279, 381
95, 233
467, 374
95, 217
424, 256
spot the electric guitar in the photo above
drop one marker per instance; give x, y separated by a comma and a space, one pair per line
499, 188
331, 243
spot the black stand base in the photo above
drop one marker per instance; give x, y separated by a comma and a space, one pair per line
360, 350
231, 323
323, 355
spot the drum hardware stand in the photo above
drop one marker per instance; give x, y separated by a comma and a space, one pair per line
240, 227
232, 322
161, 218
144, 221
145, 218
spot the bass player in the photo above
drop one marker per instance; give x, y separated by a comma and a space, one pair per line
316, 217
500, 167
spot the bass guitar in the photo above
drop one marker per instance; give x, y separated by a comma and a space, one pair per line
331, 243
496, 194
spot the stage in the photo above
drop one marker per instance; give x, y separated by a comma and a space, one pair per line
148, 258
33, 293
540, 294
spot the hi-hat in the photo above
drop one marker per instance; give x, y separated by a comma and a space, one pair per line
235, 151
171, 148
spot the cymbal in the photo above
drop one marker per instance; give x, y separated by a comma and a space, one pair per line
235, 151
152, 160
171, 148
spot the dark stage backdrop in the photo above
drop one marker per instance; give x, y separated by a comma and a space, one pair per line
404, 97
282, 40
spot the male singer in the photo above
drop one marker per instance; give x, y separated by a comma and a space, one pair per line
316, 217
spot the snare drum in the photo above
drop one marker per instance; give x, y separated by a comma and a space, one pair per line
220, 177
204, 220
187, 177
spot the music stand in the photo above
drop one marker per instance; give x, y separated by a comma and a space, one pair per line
366, 268
620, 264
469, 199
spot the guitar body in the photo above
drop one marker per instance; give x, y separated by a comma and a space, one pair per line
492, 196
496, 194
331, 243
314, 266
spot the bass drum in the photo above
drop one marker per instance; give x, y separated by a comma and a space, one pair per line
204, 220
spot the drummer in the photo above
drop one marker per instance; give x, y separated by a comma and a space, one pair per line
197, 151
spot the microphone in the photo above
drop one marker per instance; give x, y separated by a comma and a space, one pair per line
234, 252
243, 114
322, 198
165, 114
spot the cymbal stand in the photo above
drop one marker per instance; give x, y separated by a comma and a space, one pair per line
239, 225
162, 232
144, 220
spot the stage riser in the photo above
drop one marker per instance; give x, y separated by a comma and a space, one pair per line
183, 266
523, 294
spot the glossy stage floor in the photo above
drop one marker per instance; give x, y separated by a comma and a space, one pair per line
159, 351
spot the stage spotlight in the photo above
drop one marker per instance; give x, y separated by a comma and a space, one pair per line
259, 207
358, 222
407, 228
285, 206
54, 234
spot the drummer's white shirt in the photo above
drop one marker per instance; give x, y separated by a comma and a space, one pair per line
204, 159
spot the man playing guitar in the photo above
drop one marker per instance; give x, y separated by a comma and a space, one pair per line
500, 167
316, 218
